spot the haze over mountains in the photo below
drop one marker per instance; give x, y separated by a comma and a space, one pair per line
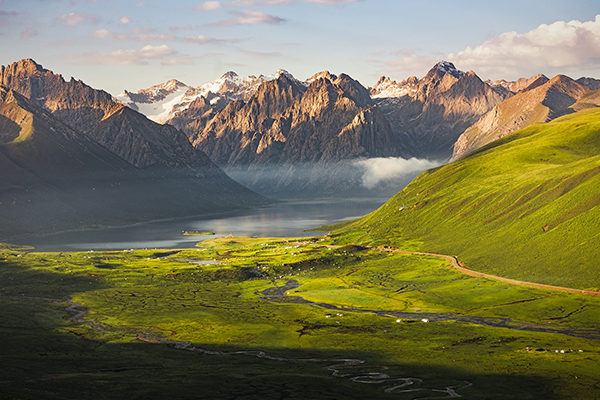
74, 158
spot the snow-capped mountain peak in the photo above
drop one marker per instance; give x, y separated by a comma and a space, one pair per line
161, 103
449, 68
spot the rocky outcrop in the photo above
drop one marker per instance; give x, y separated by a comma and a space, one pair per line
513, 87
385, 87
73, 102
194, 118
535, 103
591, 83
431, 113
154, 93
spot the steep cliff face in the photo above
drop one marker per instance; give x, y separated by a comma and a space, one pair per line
94, 112
431, 113
535, 103
286, 123
75, 103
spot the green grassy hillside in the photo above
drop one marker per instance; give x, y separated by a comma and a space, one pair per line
523, 207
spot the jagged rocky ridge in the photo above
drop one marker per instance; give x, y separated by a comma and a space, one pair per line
298, 135
176, 103
73, 158
541, 101
429, 114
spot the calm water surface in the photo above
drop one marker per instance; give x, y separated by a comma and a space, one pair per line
285, 219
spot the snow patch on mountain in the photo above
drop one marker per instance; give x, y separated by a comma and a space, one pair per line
386, 87
160, 103
449, 68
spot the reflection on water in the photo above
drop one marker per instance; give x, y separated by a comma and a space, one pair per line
286, 219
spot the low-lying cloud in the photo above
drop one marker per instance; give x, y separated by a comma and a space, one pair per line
385, 170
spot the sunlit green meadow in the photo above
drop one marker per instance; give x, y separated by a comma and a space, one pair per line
143, 297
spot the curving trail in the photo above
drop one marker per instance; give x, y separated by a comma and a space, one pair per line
457, 265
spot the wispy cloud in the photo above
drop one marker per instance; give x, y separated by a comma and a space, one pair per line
261, 55
8, 13
178, 61
29, 32
71, 19
123, 56
182, 28
558, 45
124, 20
202, 39
383, 170
215, 5
138, 35
249, 18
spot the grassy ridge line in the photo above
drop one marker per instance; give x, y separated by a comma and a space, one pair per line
525, 207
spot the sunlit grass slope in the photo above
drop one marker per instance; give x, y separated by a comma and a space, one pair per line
524, 207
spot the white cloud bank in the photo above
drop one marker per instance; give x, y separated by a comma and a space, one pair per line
561, 45
384, 170
72, 19
556, 48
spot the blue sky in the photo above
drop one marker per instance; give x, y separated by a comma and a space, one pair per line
115, 45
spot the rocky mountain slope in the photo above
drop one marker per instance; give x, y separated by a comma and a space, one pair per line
94, 112
124, 168
299, 134
176, 103
429, 114
513, 87
537, 102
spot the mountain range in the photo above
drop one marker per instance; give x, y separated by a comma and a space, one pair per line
262, 132
275, 134
73, 158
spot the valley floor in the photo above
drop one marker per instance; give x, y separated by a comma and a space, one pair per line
259, 318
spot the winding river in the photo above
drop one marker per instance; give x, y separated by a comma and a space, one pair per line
279, 294
399, 384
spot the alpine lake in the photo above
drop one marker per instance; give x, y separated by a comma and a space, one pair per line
248, 305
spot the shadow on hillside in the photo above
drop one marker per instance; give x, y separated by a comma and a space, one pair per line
55, 366
50, 357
